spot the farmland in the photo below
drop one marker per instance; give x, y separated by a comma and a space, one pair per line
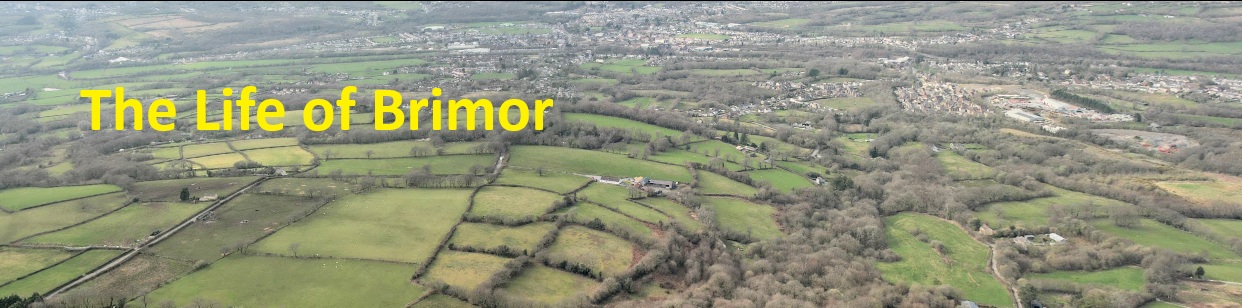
549, 286
1126, 278
591, 162
464, 270
362, 226
254, 280
22, 198
745, 218
512, 202
961, 265
449, 164
487, 236
602, 252
125, 227
54, 276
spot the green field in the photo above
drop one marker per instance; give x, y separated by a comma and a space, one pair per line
448, 164
512, 202
1034, 212
237, 223
170, 190
464, 270
1125, 278
303, 187
1155, 234
125, 227
681, 157
441, 301
62, 273
627, 124
388, 149
964, 266
47, 218
256, 281
286, 156
780, 179
16, 199
219, 161
1225, 227
604, 253
205, 149
1205, 191
586, 212
593, 162
402, 225
1224, 271
489, 236
242, 145
711, 183
960, 168
675, 211
18, 262
638, 211
595, 81
554, 181
547, 285
745, 218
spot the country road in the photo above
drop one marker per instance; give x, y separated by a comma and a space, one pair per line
134, 252
1013, 291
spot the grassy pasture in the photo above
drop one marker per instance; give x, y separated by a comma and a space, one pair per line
448, 164
1125, 278
675, 211
286, 156
585, 213
303, 186
205, 149
50, 278
711, 183
401, 225
743, 217
960, 168
464, 270
124, 227
489, 236
1152, 233
592, 162
16, 199
963, 265
601, 251
387, 149
170, 190
554, 181
441, 301
241, 221
247, 144
33, 221
780, 179
219, 161
627, 124
547, 285
1034, 212
1223, 188
512, 202
18, 262
265, 281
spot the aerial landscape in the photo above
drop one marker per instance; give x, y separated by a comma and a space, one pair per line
698, 154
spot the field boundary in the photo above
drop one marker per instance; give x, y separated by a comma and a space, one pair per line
125, 257
43, 269
127, 204
66, 200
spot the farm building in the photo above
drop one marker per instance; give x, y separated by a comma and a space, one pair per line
663, 183
1056, 238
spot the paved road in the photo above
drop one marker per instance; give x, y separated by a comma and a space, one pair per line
134, 252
